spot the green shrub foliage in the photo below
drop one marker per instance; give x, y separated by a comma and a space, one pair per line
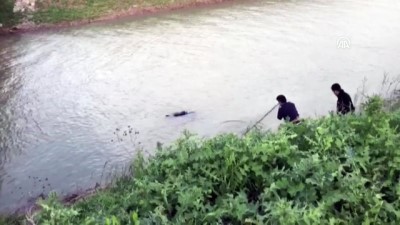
7, 17
333, 170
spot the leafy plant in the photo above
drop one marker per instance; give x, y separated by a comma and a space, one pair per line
7, 16
333, 170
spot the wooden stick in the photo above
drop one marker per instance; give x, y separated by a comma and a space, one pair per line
260, 120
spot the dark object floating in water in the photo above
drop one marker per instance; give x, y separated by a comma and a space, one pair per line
177, 114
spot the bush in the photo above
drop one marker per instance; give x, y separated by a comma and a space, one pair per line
7, 16
334, 170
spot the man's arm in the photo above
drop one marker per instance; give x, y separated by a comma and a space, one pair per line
338, 107
341, 103
280, 116
348, 103
347, 100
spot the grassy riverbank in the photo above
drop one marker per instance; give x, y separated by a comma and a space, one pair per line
332, 170
64, 12
61, 11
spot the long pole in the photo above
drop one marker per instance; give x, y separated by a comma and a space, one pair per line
260, 120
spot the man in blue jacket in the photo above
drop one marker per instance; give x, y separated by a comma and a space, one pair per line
287, 110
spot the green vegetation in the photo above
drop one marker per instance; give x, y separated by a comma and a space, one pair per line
7, 16
56, 11
333, 170
53, 11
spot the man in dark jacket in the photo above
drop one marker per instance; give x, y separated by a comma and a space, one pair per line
287, 110
344, 103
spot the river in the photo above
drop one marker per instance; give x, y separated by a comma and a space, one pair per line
68, 96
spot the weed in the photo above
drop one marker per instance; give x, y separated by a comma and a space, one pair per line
7, 17
333, 170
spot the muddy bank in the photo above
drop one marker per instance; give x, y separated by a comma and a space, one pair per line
31, 205
132, 12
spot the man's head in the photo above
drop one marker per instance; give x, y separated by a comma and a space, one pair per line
336, 88
281, 99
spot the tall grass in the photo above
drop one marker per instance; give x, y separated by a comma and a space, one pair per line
389, 90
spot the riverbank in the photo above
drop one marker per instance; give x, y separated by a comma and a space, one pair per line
331, 170
54, 14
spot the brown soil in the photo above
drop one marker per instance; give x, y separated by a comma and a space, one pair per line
70, 199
